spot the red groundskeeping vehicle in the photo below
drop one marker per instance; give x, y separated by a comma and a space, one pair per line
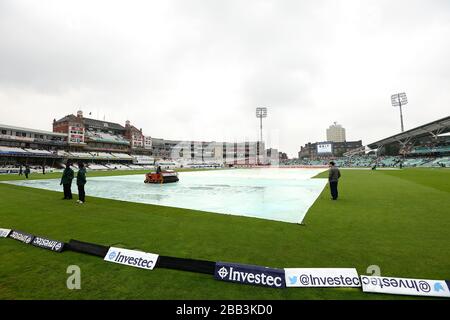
166, 176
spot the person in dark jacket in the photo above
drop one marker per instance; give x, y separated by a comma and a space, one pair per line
20, 170
333, 176
81, 181
66, 181
27, 171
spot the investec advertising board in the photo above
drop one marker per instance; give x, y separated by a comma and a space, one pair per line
21, 236
322, 277
133, 258
405, 286
48, 244
4, 232
250, 274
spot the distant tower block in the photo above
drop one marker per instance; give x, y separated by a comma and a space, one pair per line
80, 114
336, 133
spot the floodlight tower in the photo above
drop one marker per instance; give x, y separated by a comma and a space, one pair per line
260, 113
398, 100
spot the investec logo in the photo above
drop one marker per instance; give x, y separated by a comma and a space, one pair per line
4, 232
21, 236
48, 244
249, 274
322, 277
132, 258
407, 286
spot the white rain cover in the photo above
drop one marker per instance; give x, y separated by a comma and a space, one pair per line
274, 194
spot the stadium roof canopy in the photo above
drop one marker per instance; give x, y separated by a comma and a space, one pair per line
103, 124
48, 133
93, 122
432, 129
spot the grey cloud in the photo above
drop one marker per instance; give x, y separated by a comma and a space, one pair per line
206, 65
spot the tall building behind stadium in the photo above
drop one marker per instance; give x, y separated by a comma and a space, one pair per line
336, 133
336, 144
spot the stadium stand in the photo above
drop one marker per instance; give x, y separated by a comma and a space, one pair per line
12, 151
102, 155
415, 162
140, 159
369, 161
116, 166
8, 169
81, 155
39, 152
122, 156
64, 154
428, 138
388, 161
136, 167
430, 150
93, 166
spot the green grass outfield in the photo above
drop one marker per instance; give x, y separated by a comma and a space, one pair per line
396, 219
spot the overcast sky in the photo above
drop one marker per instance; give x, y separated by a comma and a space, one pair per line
192, 69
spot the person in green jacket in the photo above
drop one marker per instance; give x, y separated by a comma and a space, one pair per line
81, 181
66, 181
27, 171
